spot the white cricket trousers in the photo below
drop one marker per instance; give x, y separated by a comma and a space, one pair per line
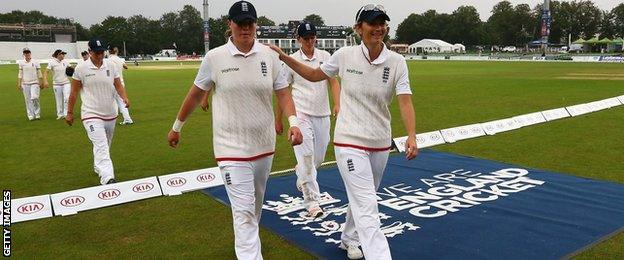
245, 183
361, 173
31, 98
61, 95
310, 154
100, 132
125, 113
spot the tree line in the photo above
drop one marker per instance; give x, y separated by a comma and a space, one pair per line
507, 25
514, 25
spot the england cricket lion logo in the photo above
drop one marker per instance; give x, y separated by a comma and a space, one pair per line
330, 224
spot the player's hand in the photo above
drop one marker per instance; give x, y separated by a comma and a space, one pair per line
279, 127
69, 119
294, 136
278, 50
44, 85
336, 110
204, 105
173, 138
127, 102
410, 148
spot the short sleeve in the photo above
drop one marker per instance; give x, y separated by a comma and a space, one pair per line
402, 79
50, 65
332, 65
115, 72
37, 65
77, 74
20, 71
280, 78
289, 73
204, 80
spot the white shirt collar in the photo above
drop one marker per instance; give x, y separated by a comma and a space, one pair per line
92, 66
382, 56
305, 57
234, 51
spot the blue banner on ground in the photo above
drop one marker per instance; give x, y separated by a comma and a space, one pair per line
447, 206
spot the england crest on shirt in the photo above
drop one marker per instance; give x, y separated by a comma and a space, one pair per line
263, 68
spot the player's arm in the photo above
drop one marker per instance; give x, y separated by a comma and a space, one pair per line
308, 73
76, 86
42, 84
20, 74
409, 120
287, 105
279, 126
121, 91
192, 99
205, 104
335, 89
45, 76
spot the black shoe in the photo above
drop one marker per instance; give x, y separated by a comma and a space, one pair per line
111, 181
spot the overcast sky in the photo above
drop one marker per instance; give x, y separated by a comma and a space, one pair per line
335, 12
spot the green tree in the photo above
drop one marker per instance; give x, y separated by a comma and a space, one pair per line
191, 38
315, 19
500, 25
607, 25
264, 21
144, 35
113, 30
618, 19
170, 29
465, 26
218, 28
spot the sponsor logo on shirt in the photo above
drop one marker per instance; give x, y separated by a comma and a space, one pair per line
357, 72
89, 75
223, 71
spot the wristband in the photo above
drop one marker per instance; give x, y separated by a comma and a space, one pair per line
293, 121
177, 125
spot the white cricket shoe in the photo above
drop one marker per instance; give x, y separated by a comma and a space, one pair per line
353, 251
315, 212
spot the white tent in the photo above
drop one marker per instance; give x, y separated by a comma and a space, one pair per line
430, 46
459, 48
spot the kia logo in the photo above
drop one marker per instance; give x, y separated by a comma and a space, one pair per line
143, 187
205, 177
176, 182
72, 201
29, 208
109, 194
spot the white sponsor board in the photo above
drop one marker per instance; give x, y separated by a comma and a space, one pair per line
597, 106
529, 119
423, 140
612, 102
178, 183
621, 99
578, 110
555, 114
72, 202
30, 208
455, 134
502, 125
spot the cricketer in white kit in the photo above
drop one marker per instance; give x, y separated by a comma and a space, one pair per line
29, 81
60, 81
312, 104
97, 81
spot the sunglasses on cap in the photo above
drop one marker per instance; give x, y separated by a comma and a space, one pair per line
370, 7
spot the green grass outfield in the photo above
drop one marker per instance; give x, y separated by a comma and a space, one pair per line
47, 156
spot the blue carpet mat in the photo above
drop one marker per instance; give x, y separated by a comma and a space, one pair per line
447, 206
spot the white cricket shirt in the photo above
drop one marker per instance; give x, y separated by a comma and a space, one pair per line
310, 97
98, 90
29, 71
119, 62
242, 101
58, 67
367, 89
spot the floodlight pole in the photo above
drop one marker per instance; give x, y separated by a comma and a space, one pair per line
546, 20
206, 26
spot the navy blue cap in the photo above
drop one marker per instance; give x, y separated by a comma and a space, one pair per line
241, 11
306, 28
370, 12
26, 50
96, 44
